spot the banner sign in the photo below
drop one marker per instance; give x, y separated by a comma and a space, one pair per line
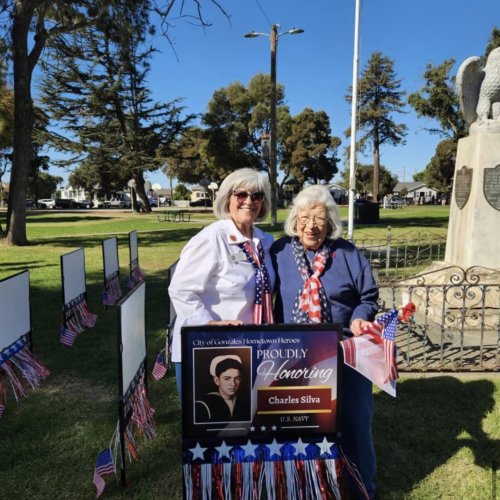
287, 384
263, 394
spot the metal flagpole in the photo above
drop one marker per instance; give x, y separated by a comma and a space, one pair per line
354, 105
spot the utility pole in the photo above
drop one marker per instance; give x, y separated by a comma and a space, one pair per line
272, 159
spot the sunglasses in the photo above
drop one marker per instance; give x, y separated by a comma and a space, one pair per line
241, 196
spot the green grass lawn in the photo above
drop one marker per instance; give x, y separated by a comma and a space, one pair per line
438, 439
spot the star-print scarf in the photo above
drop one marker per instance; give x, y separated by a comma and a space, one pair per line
263, 310
311, 304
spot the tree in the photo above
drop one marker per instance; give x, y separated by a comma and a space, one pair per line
364, 179
493, 42
189, 161
439, 172
97, 86
379, 98
31, 24
438, 100
43, 185
309, 151
181, 192
236, 119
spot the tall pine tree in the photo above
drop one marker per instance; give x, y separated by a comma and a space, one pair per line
95, 85
379, 99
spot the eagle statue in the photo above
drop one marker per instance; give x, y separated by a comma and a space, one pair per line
479, 89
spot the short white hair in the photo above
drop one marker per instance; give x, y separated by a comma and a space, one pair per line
247, 178
315, 196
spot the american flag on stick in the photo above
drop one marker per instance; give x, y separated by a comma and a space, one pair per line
104, 465
373, 352
386, 326
159, 369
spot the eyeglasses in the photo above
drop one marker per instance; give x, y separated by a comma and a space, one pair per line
241, 196
316, 220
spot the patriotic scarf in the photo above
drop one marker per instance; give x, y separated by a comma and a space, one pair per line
311, 304
263, 311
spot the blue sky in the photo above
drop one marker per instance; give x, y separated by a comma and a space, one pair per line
316, 67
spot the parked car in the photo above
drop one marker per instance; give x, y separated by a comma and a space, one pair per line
397, 202
65, 203
116, 203
47, 203
203, 202
84, 204
30, 203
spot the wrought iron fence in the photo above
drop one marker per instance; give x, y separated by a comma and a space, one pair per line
396, 258
456, 325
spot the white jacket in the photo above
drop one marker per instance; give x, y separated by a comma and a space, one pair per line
213, 279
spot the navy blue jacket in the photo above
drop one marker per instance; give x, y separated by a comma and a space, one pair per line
348, 282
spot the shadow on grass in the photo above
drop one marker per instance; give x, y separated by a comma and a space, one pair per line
14, 267
53, 219
431, 420
421, 220
145, 238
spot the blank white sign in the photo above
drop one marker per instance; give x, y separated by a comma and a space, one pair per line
73, 274
133, 333
110, 256
14, 308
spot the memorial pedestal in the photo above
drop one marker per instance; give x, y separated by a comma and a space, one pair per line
475, 206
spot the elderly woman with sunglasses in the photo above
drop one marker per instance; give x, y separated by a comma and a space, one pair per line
224, 275
322, 278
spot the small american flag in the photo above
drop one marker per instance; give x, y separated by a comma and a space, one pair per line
389, 335
159, 369
67, 337
387, 325
104, 465
108, 299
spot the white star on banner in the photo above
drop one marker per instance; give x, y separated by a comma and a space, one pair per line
223, 450
263, 428
300, 447
249, 449
325, 446
252, 428
273, 428
197, 452
274, 448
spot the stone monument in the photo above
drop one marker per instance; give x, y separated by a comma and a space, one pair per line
474, 223
462, 291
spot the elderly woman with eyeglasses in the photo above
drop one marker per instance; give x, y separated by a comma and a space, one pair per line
224, 275
322, 278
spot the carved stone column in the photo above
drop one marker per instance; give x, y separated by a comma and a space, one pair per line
474, 225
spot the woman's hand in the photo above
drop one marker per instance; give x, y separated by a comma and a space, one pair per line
226, 322
358, 325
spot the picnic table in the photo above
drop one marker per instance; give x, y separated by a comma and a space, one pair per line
174, 216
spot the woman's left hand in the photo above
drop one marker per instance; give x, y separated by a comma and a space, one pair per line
358, 325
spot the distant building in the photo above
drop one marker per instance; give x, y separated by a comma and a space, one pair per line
416, 192
199, 193
340, 194
70, 192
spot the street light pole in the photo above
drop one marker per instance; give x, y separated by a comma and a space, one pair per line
273, 167
273, 157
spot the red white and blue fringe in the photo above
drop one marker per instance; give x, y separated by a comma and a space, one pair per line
136, 274
77, 318
290, 470
112, 290
21, 369
141, 426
